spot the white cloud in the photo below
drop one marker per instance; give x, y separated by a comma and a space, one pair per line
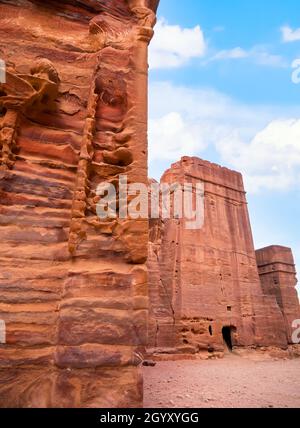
290, 35
173, 46
172, 137
234, 53
262, 142
262, 57
271, 160
258, 54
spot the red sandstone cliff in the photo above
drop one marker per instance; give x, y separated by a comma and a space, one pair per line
204, 284
73, 289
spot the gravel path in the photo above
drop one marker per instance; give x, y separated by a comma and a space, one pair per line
230, 382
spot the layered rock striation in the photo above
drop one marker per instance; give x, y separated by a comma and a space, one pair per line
73, 288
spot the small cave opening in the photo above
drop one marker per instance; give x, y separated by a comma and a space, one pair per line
210, 330
227, 336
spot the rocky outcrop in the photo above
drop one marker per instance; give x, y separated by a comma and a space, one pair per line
205, 291
73, 288
277, 273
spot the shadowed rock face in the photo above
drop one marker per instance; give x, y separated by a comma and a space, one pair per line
205, 291
73, 289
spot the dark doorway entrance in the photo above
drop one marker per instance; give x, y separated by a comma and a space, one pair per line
227, 336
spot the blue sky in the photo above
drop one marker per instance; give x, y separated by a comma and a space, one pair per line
221, 88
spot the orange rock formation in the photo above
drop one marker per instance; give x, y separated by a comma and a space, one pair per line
204, 285
277, 273
73, 289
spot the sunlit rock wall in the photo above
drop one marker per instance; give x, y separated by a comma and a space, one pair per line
204, 284
73, 114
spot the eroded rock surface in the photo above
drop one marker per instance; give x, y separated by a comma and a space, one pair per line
277, 273
205, 290
73, 114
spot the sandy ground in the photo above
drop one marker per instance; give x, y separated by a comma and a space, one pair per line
230, 382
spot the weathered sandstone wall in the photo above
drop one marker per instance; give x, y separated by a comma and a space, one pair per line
73, 114
204, 284
278, 278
